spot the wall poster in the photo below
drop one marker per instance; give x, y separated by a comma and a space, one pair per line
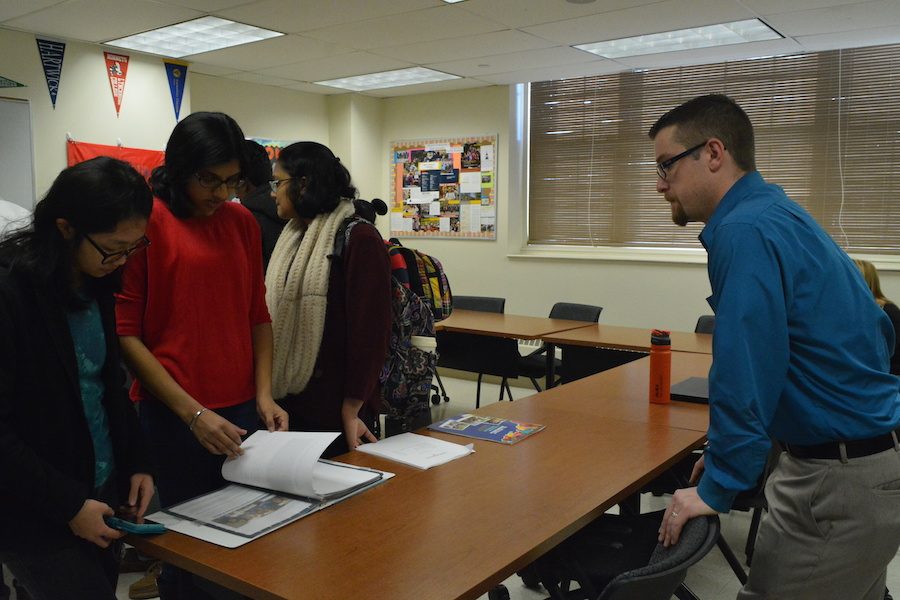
444, 188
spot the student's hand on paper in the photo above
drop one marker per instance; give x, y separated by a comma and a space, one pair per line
139, 495
88, 523
697, 471
274, 417
686, 504
355, 431
218, 435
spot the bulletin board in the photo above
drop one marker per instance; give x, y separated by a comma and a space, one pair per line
444, 188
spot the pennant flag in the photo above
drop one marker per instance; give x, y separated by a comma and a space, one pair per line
9, 83
52, 59
117, 69
142, 160
177, 74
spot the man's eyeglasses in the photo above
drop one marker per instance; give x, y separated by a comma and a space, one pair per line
276, 183
662, 169
213, 182
111, 257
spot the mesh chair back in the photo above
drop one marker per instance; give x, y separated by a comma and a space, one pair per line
480, 303
705, 324
576, 312
668, 566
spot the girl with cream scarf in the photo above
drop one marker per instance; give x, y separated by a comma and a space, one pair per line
331, 317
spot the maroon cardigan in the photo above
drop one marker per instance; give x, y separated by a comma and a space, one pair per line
354, 343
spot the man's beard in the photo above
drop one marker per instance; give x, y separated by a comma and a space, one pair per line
678, 215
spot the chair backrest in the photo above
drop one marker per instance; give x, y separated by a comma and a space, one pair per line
576, 312
668, 566
480, 303
705, 324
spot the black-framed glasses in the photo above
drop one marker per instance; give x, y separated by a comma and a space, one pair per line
214, 182
276, 183
662, 169
111, 257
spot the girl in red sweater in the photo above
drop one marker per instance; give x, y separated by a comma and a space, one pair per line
193, 322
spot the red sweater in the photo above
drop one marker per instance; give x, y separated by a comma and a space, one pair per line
193, 298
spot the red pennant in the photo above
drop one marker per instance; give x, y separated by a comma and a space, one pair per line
117, 69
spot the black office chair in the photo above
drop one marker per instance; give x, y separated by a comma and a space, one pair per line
705, 324
534, 365
618, 558
481, 354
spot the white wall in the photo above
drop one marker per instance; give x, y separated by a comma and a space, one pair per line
84, 105
262, 110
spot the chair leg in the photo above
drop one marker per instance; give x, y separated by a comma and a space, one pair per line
751, 535
441, 386
478, 392
508, 390
536, 385
684, 593
732, 560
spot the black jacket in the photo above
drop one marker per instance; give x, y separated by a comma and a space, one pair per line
46, 451
261, 204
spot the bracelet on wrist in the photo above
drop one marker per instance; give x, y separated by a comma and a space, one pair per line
194, 419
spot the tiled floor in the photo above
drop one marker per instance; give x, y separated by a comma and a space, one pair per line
711, 579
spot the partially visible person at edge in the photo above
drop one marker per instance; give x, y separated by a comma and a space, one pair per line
786, 366
12, 217
870, 274
256, 195
193, 323
332, 318
71, 450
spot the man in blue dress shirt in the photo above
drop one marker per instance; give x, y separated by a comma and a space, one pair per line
800, 355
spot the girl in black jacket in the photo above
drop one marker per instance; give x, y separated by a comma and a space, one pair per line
70, 445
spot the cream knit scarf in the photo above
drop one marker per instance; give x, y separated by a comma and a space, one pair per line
297, 293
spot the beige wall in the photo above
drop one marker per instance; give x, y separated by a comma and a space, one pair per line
84, 105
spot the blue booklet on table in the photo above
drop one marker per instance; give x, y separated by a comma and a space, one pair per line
487, 428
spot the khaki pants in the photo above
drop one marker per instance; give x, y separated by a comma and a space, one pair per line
831, 530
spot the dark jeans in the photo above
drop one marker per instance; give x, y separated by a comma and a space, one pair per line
185, 470
78, 569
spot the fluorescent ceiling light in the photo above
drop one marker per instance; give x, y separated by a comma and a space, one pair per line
388, 79
738, 32
452, 1
193, 37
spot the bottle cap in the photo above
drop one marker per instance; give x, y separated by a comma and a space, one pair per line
660, 337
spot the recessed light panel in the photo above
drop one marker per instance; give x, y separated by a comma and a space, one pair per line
193, 37
738, 32
388, 79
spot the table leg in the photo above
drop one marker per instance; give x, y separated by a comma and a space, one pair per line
550, 357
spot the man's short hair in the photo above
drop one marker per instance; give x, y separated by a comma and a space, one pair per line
259, 167
712, 116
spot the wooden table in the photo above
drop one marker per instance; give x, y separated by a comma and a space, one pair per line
628, 338
509, 326
457, 530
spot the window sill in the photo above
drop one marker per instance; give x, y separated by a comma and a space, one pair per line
606, 253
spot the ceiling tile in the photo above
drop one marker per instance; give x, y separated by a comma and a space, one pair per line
596, 67
214, 70
16, 8
663, 16
206, 5
531, 59
519, 13
294, 17
312, 88
102, 20
269, 53
848, 17
260, 79
333, 67
418, 26
471, 46
850, 39
774, 7
428, 88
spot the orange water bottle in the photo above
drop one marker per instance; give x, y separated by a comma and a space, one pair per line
660, 366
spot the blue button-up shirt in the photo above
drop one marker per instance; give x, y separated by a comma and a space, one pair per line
801, 351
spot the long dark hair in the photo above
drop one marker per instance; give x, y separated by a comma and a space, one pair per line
94, 197
327, 179
200, 140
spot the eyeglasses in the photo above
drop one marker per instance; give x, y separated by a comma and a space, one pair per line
213, 182
662, 169
276, 183
111, 257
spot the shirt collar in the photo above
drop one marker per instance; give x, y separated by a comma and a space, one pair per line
741, 189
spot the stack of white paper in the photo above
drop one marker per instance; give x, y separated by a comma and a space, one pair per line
417, 450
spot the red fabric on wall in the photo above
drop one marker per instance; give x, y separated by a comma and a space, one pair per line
142, 160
